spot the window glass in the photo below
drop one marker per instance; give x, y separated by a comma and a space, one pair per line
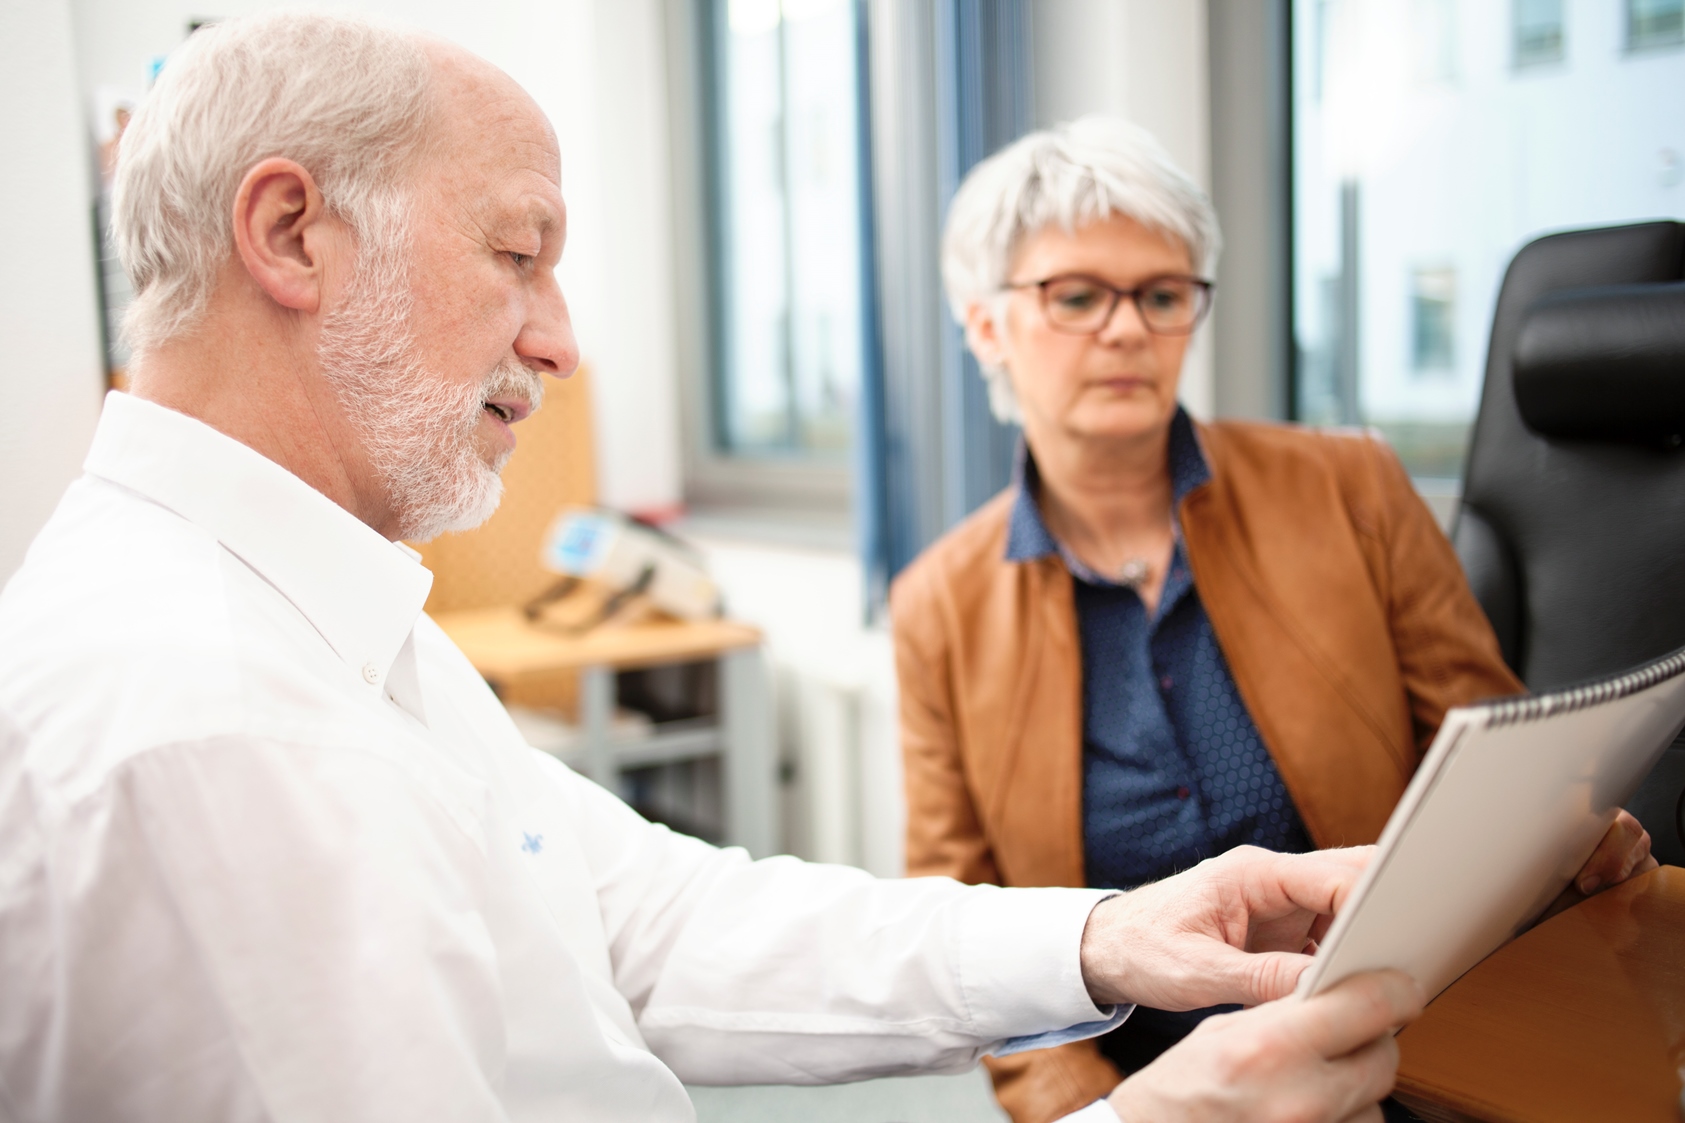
1538, 32
785, 141
1655, 23
1433, 307
1418, 174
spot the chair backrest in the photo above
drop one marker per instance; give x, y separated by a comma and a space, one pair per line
554, 465
1572, 524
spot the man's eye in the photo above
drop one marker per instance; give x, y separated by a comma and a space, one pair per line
521, 259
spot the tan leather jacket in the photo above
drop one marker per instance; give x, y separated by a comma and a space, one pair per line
1339, 605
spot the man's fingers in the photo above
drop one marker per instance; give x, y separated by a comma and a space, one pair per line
1366, 1076
1370, 1114
1253, 978
1358, 857
1319, 881
1358, 1011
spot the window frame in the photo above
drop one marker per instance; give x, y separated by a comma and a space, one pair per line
715, 480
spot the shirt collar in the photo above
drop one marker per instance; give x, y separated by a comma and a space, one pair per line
360, 591
1027, 536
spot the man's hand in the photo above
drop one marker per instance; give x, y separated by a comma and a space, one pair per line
1623, 853
1331, 1058
1235, 928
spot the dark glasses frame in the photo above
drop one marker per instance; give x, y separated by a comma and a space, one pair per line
1201, 287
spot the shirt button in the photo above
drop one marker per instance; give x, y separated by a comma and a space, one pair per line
1165, 682
371, 673
1183, 793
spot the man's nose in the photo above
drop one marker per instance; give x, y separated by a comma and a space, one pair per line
546, 342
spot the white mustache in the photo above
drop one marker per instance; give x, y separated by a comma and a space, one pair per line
509, 379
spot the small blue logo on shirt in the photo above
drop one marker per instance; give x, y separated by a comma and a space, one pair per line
532, 843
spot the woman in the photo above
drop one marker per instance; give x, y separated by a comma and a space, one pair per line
1166, 639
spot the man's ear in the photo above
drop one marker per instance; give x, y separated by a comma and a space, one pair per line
982, 335
282, 231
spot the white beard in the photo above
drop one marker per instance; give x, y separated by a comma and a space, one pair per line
417, 427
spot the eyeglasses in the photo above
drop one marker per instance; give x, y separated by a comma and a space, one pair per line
1081, 305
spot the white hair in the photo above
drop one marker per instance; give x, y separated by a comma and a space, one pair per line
347, 98
1072, 175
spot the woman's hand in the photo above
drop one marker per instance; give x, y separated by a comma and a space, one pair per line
1623, 853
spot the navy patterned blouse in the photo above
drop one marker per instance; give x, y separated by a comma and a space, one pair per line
1173, 768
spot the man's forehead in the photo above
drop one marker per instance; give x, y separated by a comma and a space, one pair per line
486, 117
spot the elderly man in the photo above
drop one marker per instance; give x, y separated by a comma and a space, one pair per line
273, 850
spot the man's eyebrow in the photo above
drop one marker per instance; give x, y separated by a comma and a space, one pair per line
535, 214
542, 215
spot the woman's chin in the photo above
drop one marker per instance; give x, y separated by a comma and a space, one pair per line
1129, 420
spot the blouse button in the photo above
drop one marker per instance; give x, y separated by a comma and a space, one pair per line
371, 673
1183, 793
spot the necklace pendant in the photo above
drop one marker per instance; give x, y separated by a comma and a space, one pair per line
1134, 573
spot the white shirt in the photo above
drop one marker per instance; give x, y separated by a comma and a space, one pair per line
270, 849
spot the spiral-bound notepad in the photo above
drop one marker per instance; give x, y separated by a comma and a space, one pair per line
1510, 801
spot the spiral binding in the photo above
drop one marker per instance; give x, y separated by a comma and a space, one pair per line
1516, 710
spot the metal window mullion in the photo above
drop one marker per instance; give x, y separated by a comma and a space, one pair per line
792, 402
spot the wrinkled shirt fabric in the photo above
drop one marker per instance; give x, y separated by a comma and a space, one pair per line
270, 849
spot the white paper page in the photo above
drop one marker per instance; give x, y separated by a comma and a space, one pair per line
1496, 823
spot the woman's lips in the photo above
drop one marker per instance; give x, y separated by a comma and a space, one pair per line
1123, 383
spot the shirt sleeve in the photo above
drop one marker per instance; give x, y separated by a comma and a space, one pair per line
1097, 1112
783, 971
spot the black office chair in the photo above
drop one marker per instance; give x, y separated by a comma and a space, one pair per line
1572, 525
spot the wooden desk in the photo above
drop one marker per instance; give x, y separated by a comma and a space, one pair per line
1582, 1018
503, 646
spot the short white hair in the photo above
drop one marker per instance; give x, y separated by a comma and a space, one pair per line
1072, 175
347, 98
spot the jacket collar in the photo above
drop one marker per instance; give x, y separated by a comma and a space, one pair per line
360, 591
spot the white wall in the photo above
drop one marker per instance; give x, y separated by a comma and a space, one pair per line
51, 369
1145, 61
597, 68
834, 680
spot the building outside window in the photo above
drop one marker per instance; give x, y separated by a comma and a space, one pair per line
786, 220
1410, 198
1433, 318
1538, 32
1654, 23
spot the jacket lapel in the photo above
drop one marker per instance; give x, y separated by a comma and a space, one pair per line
1302, 667
1034, 811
